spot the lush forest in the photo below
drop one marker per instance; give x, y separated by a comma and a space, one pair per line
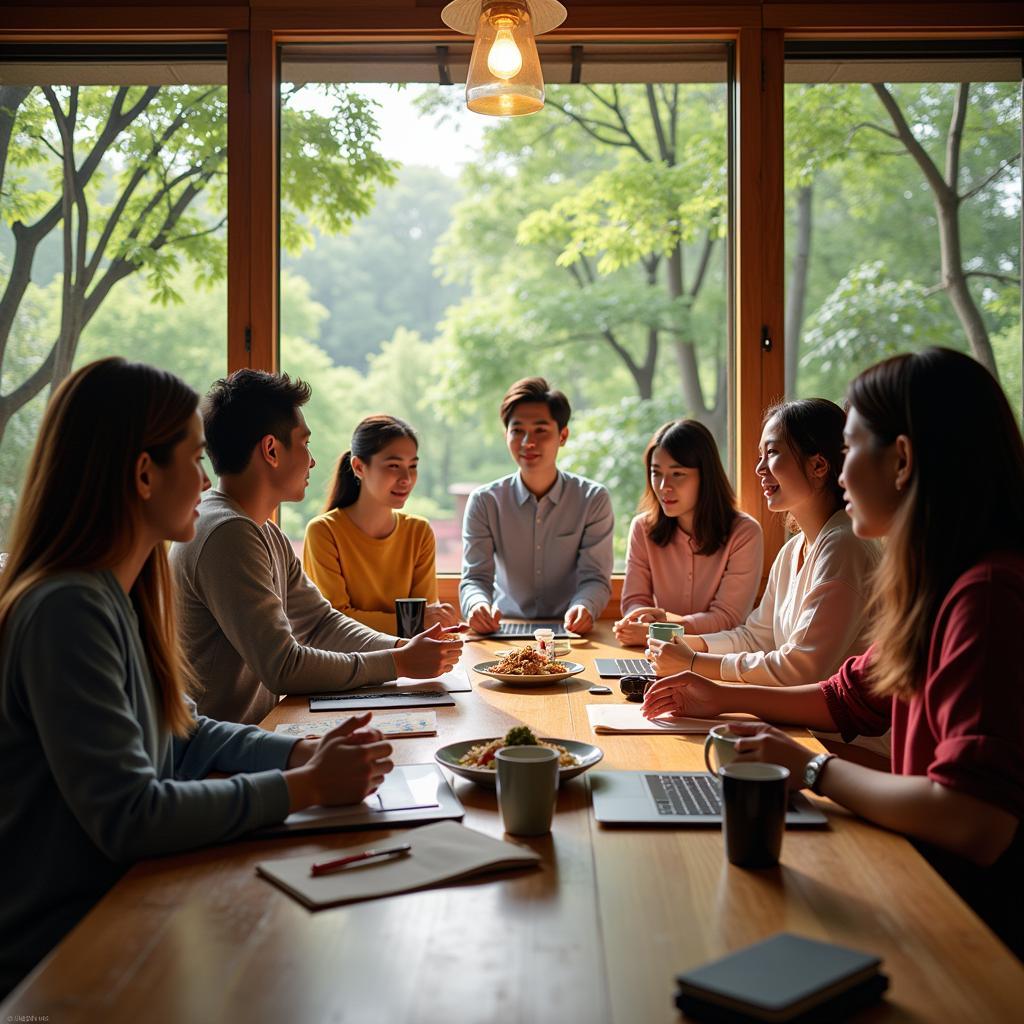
586, 243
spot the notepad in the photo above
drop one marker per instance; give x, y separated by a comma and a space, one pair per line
443, 852
786, 978
399, 693
629, 718
396, 726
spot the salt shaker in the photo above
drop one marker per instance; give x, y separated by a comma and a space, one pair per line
545, 639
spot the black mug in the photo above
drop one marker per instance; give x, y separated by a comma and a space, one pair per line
754, 804
410, 612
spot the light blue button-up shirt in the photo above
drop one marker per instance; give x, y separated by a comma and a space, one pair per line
536, 559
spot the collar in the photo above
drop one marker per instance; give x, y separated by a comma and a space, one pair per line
523, 494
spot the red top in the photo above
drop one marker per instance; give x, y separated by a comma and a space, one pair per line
965, 728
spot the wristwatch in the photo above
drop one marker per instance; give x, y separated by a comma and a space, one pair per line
813, 770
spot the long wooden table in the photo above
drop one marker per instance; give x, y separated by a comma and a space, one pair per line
596, 935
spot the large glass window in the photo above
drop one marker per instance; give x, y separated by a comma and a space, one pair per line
112, 236
445, 255
903, 210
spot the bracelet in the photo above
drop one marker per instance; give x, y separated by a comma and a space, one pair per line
693, 658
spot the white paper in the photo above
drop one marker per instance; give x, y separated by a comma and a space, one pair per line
629, 718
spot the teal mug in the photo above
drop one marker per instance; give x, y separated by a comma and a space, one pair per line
664, 630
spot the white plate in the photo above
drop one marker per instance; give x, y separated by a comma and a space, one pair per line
448, 757
486, 668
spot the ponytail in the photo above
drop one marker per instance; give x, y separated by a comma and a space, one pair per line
345, 487
370, 436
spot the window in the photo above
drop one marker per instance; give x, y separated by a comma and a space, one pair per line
113, 194
445, 255
903, 208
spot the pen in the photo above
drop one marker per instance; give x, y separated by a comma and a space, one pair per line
336, 865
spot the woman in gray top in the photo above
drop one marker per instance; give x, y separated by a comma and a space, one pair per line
102, 756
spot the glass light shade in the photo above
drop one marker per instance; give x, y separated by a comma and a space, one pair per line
504, 71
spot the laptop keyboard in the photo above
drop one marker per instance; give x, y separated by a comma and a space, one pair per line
634, 667
506, 629
684, 794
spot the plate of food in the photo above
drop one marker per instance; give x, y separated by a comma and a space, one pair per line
526, 666
474, 759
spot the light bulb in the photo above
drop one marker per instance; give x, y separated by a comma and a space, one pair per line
504, 59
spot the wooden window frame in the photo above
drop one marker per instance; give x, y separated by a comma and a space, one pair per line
758, 29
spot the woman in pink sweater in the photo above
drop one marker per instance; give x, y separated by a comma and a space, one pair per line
692, 558
934, 463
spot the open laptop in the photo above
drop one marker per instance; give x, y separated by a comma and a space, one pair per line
676, 798
616, 668
525, 630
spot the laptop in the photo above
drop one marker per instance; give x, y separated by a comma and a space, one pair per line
676, 798
525, 630
616, 668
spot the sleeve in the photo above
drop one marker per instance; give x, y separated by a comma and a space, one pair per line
734, 598
477, 586
215, 746
95, 747
853, 707
974, 696
424, 572
595, 558
304, 647
758, 632
638, 586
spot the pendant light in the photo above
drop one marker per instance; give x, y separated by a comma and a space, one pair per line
504, 70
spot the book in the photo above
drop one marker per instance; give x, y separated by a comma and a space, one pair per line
629, 718
442, 852
782, 980
393, 726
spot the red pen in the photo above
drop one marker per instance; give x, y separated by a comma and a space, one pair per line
336, 865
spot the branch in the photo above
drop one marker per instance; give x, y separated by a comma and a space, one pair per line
198, 234
625, 127
956, 135
874, 127
659, 130
992, 177
914, 148
1004, 278
585, 125
705, 260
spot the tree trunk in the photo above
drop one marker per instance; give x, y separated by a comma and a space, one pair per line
686, 353
796, 294
11, 97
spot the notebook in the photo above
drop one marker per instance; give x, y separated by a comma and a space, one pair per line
786, 978
411, 794
399, 693
629, 718
444, 852
676, 798
394, 726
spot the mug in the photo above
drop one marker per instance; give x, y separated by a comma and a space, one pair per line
754, 812
724, 740
410, 613
527, 789
665, 630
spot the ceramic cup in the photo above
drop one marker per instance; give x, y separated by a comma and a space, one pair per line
754, 801
665, 630
722, 740
527, 789
410, 612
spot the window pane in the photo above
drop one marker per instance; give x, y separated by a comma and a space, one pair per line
112, 242
446, 255
903, 217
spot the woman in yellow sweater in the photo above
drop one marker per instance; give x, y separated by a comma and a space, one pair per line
362, 552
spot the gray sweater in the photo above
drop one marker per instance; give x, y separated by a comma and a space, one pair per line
89, 779
254, 625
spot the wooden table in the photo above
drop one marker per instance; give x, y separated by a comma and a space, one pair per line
596, 935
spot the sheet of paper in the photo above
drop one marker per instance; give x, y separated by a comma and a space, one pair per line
394, 725
629, 718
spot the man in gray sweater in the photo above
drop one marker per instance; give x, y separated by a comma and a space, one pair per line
253, 625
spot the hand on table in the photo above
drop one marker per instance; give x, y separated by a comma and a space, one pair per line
773, 746
440, 614
484, 619
684, 694
578, 620
631, 632
429, 654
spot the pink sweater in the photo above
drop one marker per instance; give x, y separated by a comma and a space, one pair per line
714, 592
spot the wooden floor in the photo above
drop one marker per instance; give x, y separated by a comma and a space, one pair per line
596, 935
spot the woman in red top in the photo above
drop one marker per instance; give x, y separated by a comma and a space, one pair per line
935, 463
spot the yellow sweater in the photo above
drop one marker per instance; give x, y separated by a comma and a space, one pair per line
361, 575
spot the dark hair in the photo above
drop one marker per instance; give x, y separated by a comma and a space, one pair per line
240, 410
691, 444
950, 407
536, 389
370, 436
813, 426
78, 504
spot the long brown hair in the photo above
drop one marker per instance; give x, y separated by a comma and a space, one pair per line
77, 508
691, 444
964, 499
370, 436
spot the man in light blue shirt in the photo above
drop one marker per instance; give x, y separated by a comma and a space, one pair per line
538, 543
